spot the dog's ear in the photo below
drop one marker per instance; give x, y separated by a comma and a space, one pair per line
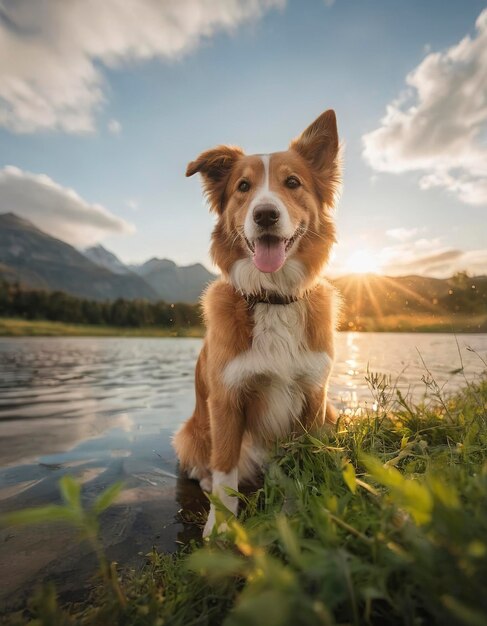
319, 145
215, 166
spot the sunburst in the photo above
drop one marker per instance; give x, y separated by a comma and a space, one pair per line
362, 261
358, 288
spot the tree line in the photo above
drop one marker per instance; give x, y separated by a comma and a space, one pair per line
466, 295
34, 304
57, 306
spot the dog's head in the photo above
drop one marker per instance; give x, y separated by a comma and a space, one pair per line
274, 207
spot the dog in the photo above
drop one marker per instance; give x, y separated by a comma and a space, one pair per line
270, 318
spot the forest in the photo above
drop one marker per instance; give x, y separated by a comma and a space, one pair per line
57, 306
364, 298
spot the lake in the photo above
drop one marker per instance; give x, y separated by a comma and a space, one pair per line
104, 409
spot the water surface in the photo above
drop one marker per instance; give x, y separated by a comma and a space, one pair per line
104, 409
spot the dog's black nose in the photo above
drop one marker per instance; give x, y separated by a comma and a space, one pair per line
266, 215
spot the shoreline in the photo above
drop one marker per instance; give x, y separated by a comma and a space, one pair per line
386, 490
17, 327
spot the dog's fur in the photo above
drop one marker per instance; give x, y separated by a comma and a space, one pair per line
263, 368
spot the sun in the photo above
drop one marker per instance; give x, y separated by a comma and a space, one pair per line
362, 262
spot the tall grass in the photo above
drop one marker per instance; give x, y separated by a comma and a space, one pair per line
382, 522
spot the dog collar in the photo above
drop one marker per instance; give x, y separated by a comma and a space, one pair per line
270, 297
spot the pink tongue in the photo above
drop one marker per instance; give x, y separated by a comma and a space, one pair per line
269, 255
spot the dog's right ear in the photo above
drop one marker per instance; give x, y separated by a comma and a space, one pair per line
215, 166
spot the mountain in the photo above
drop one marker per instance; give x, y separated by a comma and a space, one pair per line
40, 261
172, 282
169, 281
104, 258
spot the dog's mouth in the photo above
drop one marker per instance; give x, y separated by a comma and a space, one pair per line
269, 251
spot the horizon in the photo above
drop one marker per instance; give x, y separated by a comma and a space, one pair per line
159, 412
331, 276
94, 151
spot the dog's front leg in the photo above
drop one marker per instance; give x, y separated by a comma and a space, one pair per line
227, 427
222, 480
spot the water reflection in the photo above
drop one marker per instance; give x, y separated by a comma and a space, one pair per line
405, 358
104, 409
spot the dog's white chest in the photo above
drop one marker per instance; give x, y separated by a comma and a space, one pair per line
280, 352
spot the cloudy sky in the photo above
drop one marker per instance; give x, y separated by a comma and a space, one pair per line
102, 104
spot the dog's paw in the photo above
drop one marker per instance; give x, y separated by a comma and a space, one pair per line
210, 523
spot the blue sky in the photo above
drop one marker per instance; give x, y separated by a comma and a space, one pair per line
254, 77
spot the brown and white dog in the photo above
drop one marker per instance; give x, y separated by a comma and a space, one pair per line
263, 370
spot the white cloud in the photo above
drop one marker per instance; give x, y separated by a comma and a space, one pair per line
422, 256
52, 53
114, 127
469, 190
474, 262
438, 126
402, 234
57, 210
429, 257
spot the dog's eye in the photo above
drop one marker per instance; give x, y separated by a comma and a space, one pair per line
292, 182
243, 185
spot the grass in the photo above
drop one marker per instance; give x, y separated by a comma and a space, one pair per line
382, 522
420, 323
14, 327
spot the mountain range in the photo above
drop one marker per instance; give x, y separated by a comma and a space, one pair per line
39, 261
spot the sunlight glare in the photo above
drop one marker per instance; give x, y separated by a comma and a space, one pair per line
362, 262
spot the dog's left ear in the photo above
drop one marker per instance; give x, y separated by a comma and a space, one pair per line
215, 166
318, 144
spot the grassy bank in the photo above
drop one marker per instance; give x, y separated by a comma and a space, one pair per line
382, 522
420, 323
14, 327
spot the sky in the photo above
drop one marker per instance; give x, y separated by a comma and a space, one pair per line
103, 104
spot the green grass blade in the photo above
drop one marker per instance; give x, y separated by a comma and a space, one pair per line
40, 514
107, 498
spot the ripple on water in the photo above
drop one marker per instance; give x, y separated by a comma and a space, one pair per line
104, 410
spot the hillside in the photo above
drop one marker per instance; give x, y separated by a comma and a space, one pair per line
372, 296
40, 261
174, 283
104, 258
